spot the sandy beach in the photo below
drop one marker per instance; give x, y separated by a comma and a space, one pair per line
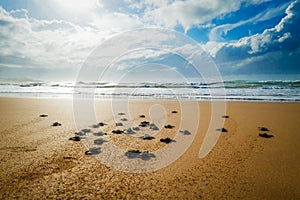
38, 161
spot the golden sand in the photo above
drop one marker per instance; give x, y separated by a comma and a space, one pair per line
39, 162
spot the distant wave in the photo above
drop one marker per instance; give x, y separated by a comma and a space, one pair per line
241, 90
227, 84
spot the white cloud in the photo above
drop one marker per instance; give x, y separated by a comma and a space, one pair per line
190, 13
284, 37
116, 21
270, 38
272, 12
291, 11
42, 43
213, 47
263, 42
138, 57
36, 43
19, 13
100, 14
141, 56
257, 50
217, 33
148, 4
254, 2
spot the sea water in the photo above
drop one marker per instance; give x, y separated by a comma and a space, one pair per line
257, 88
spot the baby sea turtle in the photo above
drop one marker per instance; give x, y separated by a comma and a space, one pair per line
101, 124
169, 126
166, 140
147, 137
119, 124
144, 124
56, 124
136, 128
43, 115
223, 130
154, 128
186, 132
265, 135
75, 138
129, 131
263, 129
117, 131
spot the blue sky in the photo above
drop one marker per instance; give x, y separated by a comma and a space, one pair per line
52, 39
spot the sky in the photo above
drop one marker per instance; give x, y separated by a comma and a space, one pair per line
53, 39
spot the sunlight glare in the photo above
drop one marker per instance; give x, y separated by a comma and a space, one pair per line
78, 5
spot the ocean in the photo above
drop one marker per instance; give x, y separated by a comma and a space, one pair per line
268, 89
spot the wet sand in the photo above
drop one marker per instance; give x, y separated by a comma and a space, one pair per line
38, 161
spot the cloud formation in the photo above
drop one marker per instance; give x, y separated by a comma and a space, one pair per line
47, 42
29, 43
281, 42
189, 13
217, 33
60, 40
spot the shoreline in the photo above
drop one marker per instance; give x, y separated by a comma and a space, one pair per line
137, 99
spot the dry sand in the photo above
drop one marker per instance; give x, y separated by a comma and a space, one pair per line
39, 162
